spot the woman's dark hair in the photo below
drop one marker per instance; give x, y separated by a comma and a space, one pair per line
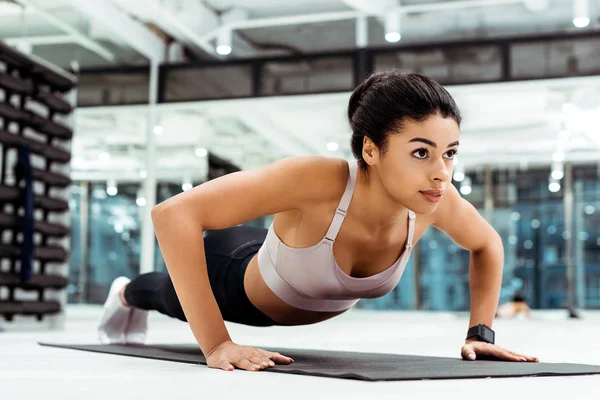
384, 101
518, 298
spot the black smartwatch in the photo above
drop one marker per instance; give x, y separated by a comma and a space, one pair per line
481, 333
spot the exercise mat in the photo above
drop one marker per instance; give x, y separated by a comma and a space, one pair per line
361, 366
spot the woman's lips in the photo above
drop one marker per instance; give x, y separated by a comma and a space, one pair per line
434, 198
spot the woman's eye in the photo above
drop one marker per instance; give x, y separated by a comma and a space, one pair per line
421, 153
452, 154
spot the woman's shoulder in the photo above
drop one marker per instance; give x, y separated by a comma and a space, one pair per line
324, 177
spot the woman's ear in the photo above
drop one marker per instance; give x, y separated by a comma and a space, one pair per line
370, 151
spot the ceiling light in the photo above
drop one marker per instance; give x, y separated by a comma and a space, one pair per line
392, 26
557, 174
465, 187
141, 199
459, 171
554, 187
111, 187
581, 22
459, 176
558, 170
201, 152
224, 41
581, 13
158, 130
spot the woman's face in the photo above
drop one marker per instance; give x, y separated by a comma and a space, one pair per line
416, 170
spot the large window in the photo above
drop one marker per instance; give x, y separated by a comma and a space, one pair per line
451, 65
113, 244
557, 58
329, 74
97, 88
587, 236
208, 82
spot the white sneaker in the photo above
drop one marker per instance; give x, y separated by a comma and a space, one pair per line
116, 315
137, 327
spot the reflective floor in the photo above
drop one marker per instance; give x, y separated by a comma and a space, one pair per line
34, 372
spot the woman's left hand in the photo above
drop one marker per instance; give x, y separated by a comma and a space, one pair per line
473, 349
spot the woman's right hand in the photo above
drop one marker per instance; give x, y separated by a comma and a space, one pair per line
229, 355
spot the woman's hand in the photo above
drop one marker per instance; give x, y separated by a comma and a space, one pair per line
473, 349
228, 355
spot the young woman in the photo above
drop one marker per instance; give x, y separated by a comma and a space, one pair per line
342, 231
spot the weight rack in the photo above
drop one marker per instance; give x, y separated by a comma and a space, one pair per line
37, 101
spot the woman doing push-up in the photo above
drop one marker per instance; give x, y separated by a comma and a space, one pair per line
342, 231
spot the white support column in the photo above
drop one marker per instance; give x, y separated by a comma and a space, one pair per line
149, 184
488, 202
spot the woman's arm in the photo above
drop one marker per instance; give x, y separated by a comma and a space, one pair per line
467, 228
228, 201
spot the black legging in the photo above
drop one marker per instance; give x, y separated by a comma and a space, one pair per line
228, 253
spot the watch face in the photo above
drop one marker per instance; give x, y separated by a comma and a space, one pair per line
482, 333
488, 334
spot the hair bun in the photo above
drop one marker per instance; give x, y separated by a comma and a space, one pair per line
359, 94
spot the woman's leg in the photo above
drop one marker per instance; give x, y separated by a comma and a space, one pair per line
228, 252
154, 291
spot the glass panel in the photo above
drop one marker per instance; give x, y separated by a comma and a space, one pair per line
447, 66
557, 58
201, 83
75, 288
587, 239
112, 88
403, 297
114, 243
444, 273
307, 76
539, 242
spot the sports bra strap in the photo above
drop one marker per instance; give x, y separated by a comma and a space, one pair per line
340, 212
411, 229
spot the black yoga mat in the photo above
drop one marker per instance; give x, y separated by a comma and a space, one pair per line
361, 366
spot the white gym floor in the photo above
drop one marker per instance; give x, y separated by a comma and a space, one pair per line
29, 371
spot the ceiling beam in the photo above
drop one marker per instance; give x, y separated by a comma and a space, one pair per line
353, 14
176, 24
79, 37
40, 40
135, 34
370, 6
